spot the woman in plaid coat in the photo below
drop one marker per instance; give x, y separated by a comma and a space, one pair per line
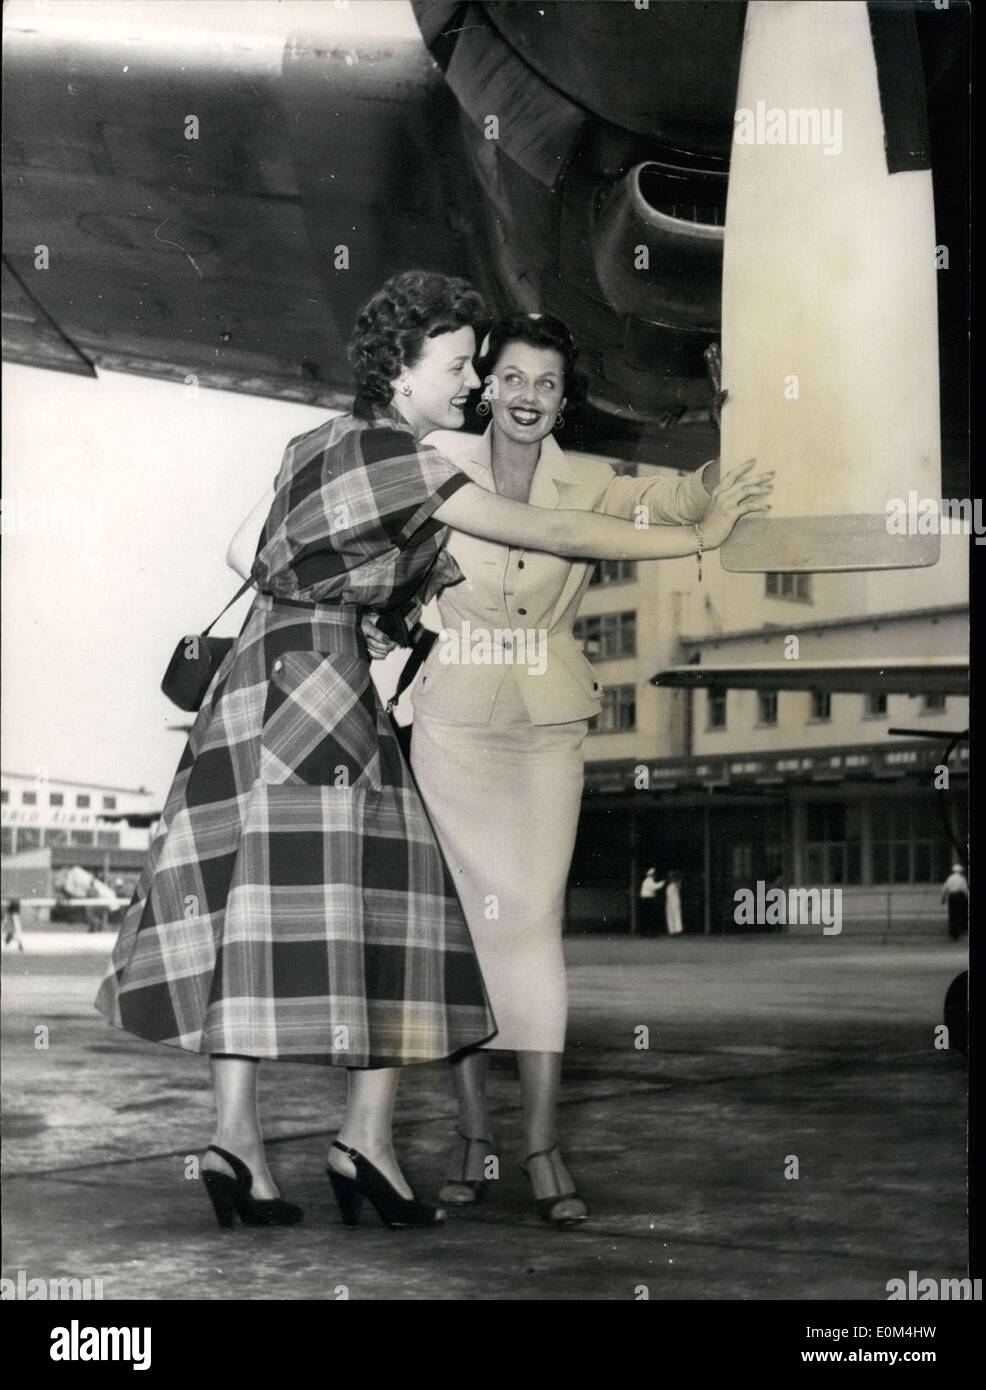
294, 903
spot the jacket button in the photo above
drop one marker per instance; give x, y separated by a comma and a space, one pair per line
522, 612
520, 564
278, 664
595, 685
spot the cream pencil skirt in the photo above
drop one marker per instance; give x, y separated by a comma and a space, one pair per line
504, 801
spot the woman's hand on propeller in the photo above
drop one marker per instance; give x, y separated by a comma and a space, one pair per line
739, 493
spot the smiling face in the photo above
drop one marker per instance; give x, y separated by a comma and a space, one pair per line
530, 385
440, 383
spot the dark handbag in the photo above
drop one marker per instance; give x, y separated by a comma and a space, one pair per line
412, 666
195, 661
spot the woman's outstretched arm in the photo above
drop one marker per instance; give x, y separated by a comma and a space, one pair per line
595, 536
670, 501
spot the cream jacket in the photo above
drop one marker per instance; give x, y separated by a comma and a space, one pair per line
525, 600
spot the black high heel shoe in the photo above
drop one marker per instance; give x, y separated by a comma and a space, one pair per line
231, 1196
546, 1205
393, 1210
471, 1189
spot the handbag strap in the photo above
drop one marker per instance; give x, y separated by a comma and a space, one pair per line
247, 584
419, 654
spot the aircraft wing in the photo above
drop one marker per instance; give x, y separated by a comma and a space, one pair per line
210, 189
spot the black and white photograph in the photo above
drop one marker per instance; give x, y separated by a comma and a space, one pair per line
487, 532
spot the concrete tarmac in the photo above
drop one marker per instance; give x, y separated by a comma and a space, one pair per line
701, 1075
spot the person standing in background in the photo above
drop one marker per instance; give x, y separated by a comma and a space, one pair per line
649, 890
672, 900
672, 903
12, 933
955, 891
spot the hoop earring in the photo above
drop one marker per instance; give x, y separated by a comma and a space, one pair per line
484, 407
559, 421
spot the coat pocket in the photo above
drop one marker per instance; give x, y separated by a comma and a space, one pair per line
572, 661
320, 722
432, 673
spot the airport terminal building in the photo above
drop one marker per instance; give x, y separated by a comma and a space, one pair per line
789, 787
49, 824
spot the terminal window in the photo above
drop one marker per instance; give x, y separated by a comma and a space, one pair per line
619, 711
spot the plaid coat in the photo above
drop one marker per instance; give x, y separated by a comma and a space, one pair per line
294, 902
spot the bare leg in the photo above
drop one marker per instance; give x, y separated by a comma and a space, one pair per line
468, 1162
540, 1078
368, 1124
234, 1083
469, 1075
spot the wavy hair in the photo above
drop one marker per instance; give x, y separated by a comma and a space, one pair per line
539, 331
392, 326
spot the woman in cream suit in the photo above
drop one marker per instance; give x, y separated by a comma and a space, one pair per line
497, 749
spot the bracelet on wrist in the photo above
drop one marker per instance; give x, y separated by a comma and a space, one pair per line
701, 547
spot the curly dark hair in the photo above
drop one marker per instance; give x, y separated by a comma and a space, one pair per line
392, 326
539, 331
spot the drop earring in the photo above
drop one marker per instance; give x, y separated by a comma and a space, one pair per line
559, 421
484, 407
405, 389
